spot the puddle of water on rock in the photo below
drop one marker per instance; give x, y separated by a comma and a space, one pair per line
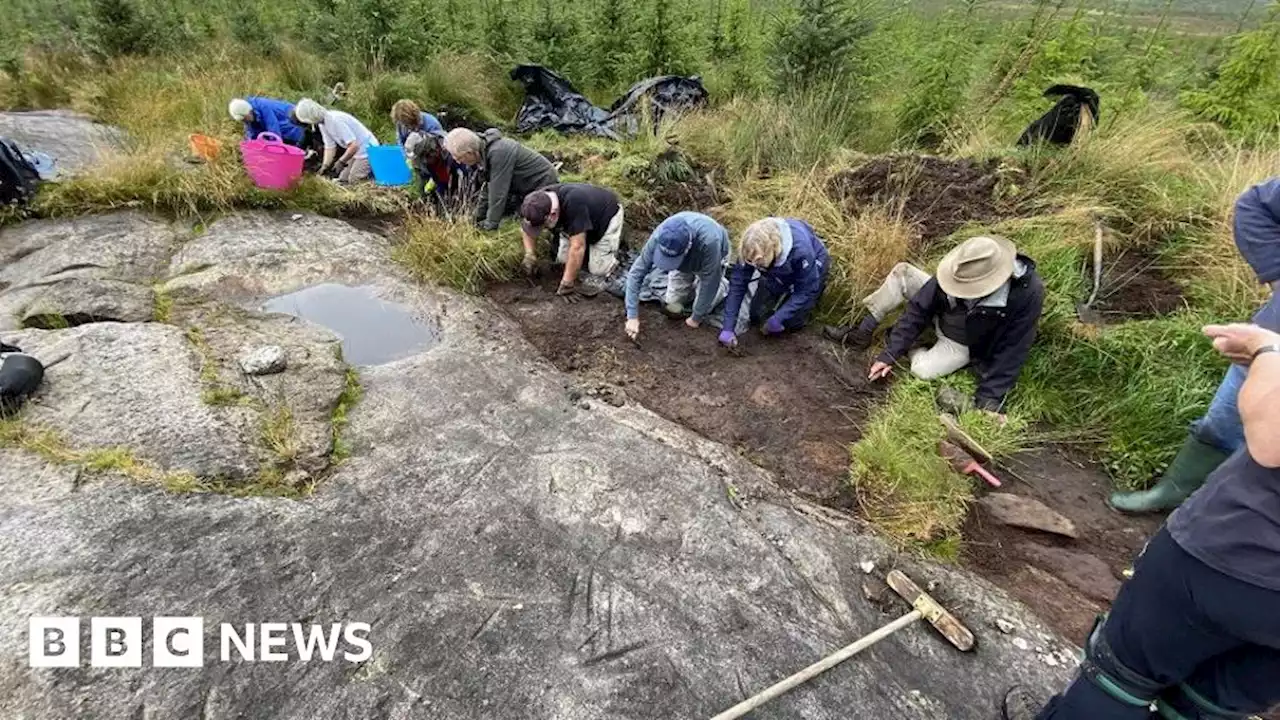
373, 331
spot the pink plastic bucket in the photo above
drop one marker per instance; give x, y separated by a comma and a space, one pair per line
270, 163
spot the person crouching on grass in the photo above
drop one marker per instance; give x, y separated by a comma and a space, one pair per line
792, 264
587, 219
339, 129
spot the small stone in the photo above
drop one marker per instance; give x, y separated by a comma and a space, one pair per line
518, 606
867, 567
1021, 644
296, 217
1005, 626
1051, 661
266, 360
584, 404
297, 478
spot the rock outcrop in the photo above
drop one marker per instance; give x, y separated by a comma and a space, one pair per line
74, 141
519, 550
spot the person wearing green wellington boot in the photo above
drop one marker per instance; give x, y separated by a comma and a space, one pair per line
1214, 437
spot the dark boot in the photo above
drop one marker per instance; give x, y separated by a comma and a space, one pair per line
1194, 462
853, 337
1020, 704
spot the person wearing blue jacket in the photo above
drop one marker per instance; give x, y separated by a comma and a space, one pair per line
1214, 437
690, 248
262, 114
409, 118
793, 265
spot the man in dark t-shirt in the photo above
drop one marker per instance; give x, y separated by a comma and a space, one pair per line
587, 220
1196, 632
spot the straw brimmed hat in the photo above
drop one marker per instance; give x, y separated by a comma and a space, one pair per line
977, 267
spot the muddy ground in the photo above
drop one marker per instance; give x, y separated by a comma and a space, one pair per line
1134, 286
795, 404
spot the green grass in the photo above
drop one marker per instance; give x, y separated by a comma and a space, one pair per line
351, 394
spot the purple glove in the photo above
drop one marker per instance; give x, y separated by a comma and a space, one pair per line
772, 326
727, 338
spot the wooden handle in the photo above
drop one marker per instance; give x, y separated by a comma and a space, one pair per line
818, 668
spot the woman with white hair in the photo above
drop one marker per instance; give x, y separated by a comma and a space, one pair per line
339, 129
263, 114
510, 171
792, 264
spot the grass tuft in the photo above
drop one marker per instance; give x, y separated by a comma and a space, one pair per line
351, 395
457, 254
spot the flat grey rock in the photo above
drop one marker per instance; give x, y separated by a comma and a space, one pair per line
516, 555
1084, 572
264, 360
74, 141
1025, 512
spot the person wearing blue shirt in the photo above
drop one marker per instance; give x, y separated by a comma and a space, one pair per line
690, 248
262, 114
409, 118
793, 265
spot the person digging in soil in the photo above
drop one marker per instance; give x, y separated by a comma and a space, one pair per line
588, 221
436, 176
985, 304
267, 115
409, 118
792, 264
1218, 434
691, 249
1195, 632
509, 171
339, 128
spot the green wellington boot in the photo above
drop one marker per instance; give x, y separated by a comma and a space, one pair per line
1194, 462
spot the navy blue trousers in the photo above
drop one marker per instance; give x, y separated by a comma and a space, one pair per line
1179, 621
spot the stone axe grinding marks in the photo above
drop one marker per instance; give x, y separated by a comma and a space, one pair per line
923, 608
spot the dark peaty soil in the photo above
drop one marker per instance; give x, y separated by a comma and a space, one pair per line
1067, 582
790, 404
937, 194
1134, 286
672, 183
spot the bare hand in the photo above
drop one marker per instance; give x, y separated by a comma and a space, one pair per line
1240, 342
1000, 418
692, 323
879, 370
633, 328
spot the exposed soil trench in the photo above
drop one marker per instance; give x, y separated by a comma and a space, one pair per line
794, 405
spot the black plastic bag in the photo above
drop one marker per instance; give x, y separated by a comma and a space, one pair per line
552, 102
1059, 125
20, 375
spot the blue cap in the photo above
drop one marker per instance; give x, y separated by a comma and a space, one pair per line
674, 240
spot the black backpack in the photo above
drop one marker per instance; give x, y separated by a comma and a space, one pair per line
18, 178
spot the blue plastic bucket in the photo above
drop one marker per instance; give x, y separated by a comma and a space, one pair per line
389, 165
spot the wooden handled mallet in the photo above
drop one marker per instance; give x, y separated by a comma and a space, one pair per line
924, 608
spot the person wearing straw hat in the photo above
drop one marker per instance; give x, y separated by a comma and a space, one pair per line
339, 128
263, 114
984, 303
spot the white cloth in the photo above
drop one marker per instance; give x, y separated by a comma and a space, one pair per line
340, 128
682, 289
602, 257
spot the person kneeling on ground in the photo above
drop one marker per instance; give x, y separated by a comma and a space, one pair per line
261, 114
984, 304
1195, 632
1219, 433
339, 128
689, 247
409, 118
434, 171
792, 264
588, 222
510, 171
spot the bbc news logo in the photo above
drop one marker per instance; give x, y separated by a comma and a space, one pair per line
176, 642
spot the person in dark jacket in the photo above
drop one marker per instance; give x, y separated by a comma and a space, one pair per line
1219, 433
1195, 633
261, 114
510, 171
985, 304
436, 175
792, 264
